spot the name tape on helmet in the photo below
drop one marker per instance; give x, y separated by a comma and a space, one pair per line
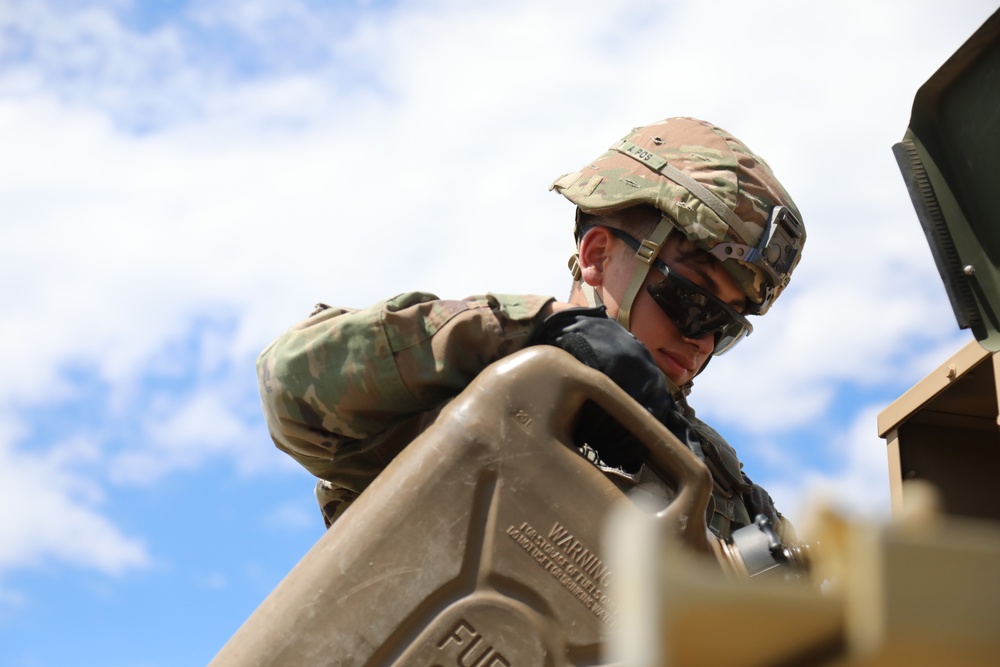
651, 160
660, 165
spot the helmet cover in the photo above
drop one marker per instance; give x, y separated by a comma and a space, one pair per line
692, 171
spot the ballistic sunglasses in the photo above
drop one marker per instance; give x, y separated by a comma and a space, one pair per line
695, 311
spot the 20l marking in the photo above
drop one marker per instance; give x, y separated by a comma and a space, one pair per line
465, 637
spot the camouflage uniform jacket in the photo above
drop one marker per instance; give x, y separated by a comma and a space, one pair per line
344, 391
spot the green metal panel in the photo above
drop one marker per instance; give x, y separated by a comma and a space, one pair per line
950, 159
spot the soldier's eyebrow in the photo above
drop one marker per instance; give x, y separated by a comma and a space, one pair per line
712, 285
697, 260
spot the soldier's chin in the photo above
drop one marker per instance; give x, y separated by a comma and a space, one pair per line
678, 373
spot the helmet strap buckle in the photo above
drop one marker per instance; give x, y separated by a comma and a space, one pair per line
647, 253
574, 267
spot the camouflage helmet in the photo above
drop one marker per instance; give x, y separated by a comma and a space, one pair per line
712, 188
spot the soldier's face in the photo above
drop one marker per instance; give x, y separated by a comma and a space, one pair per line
678, 357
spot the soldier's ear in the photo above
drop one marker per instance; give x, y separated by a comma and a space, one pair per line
594, 252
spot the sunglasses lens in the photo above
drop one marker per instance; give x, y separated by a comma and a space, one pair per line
694, 310
697, 312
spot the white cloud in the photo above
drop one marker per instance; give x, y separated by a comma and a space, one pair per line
216, 581
292, 516
858, 483
53, 514
184, 435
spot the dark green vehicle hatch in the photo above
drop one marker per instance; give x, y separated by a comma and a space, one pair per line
950, 159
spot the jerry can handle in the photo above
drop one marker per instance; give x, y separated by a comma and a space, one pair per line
554, 386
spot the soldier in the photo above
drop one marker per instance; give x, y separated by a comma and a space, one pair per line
681, 232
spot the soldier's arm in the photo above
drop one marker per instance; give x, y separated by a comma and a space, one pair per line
339, 379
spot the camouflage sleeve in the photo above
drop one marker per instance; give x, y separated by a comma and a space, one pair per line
333, 384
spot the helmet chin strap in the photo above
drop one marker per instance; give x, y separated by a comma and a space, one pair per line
649, 250
647, 253
589, 293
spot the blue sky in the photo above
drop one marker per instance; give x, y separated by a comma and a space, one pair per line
181, 181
